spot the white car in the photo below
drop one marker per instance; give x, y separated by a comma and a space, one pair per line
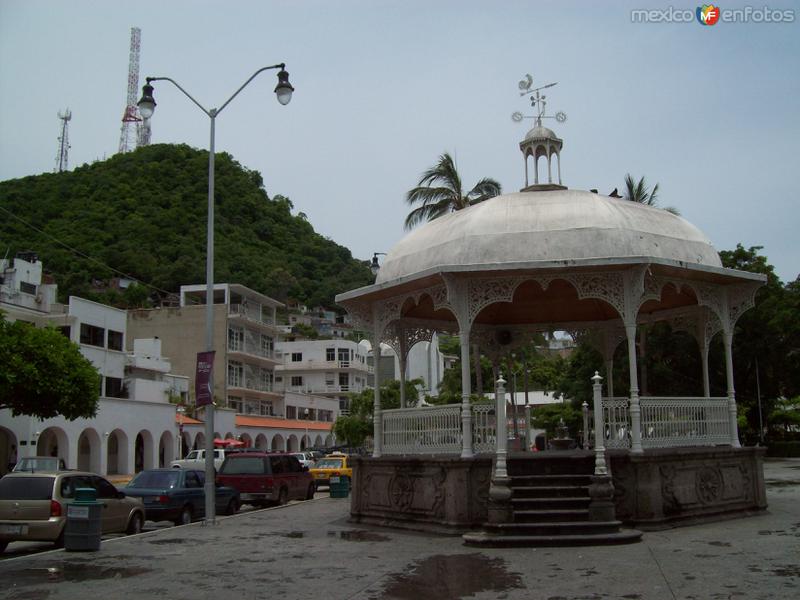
306, 458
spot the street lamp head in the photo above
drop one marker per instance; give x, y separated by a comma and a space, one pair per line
375, 266
284, 89
147, 104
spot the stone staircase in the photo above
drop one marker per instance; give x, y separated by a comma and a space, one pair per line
550, 506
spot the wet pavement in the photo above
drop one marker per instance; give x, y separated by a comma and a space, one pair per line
309, 550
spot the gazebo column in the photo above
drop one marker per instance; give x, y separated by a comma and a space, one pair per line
558, 155
536, 166
377, 418
549, 166
476, 353
727, 337
403, 361
466, 408
642, 354
635, 409
704, 346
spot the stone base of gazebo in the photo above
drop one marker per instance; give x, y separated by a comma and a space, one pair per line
669, 487
654, 490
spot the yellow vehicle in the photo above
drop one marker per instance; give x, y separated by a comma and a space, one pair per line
332, 466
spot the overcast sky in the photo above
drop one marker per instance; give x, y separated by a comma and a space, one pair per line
384, 87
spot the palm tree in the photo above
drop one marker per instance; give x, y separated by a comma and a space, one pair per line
439, 192
639, 192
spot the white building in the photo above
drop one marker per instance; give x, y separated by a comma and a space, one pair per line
135, 422
327, 368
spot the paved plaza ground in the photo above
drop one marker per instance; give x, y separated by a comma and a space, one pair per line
309, 550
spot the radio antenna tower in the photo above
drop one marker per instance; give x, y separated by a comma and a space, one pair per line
62, 160
133, 131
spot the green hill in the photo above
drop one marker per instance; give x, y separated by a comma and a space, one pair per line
144, 214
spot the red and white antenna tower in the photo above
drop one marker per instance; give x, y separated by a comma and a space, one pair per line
134, 131
62, 160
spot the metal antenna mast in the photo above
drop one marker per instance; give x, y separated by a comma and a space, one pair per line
62, 160
133, 132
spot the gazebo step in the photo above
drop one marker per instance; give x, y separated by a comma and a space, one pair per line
550, 480
554, 528
551, 463
564, 503
492, 540
539, 516
550, 491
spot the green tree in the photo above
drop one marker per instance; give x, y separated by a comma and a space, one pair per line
356, 427
637, 191
439, 192
43, 374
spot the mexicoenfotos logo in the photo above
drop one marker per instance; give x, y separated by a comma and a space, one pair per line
711, 14
708, 14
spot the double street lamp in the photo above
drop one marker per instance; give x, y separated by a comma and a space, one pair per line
147, 106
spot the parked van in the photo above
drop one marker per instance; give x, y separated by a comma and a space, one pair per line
266, 478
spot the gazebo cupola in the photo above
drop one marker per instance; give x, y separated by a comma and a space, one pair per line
540, 141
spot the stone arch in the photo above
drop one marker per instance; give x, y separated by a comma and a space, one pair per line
89, 451
248, 441
318, 442
143, 454
54, 441
184, 444
328, 441
117, 449
292, 443
166, 448
199, 441
9, 449
261, 442
278, 442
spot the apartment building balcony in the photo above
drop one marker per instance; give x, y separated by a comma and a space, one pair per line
327, 365
323, 389
248, 353
251, 315
252, 387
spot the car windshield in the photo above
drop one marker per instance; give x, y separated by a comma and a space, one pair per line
329, 463
26, 488
193, 455
155, 479
37, 463
300, 456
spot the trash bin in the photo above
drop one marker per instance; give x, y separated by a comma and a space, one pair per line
84, 526
339, 487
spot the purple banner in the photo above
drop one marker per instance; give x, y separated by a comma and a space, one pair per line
202, 379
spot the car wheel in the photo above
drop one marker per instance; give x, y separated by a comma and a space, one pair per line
186, 516
311, 490
3, 546
59, 542
283, 497
232, 508
135, 525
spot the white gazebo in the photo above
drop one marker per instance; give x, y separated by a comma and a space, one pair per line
542, 259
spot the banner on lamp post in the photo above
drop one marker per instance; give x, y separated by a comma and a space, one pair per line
202, 379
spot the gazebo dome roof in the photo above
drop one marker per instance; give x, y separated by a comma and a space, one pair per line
541, 133
546, 227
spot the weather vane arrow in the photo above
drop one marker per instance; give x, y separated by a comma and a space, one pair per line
538, 102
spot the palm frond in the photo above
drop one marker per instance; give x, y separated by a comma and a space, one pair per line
486, 188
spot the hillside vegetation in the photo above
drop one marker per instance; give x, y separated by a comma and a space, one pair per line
144, 214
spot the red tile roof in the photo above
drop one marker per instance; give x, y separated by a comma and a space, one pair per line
250, 421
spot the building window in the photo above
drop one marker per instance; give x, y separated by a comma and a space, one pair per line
297, 380
265, 380
291, 412
235, 339
235, 402
330, 379
344, 355
344, 381
297, 357
330, 354
114, 340
27, 288
66, 330
267, 345
235, 374
92, 336
115, 387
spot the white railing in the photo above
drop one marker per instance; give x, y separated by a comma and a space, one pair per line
484, 428
617, 422
670, 422
429, 430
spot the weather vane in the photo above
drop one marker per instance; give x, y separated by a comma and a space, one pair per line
538, 102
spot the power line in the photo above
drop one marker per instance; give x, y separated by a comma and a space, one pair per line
86, 256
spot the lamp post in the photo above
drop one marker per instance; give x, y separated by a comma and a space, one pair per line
305, 412
147, 106
375, 265
181, 410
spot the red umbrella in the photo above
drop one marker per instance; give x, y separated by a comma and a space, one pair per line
228, 443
